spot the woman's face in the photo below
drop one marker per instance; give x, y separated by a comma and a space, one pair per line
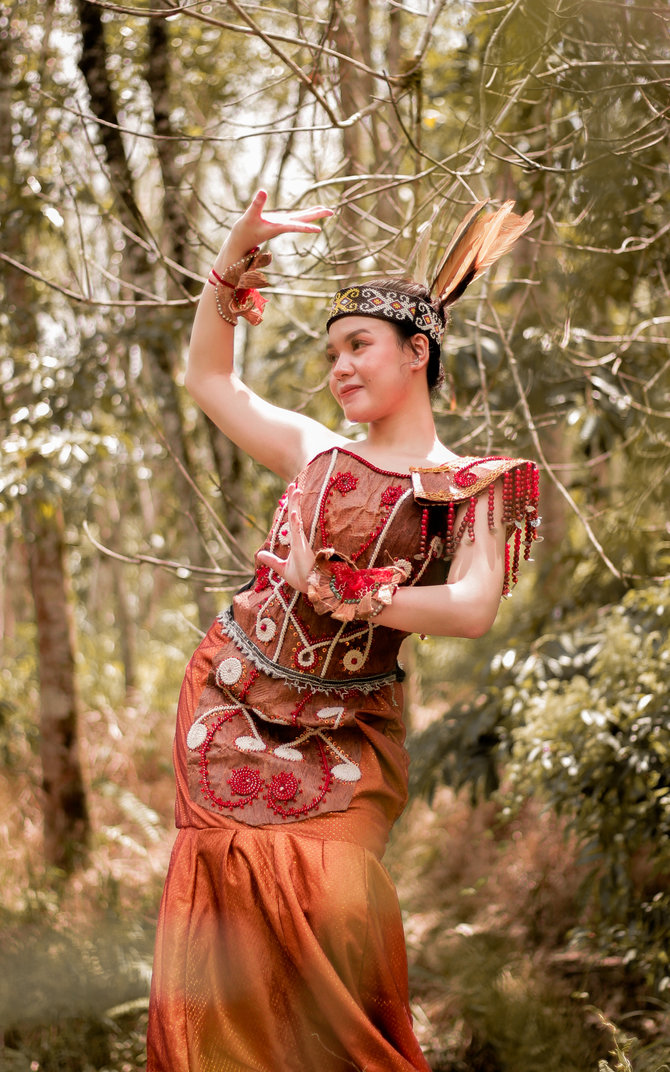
370, 368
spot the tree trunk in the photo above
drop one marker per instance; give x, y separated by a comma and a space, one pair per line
64, 809
66, 820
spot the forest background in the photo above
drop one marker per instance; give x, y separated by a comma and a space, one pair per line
533, 864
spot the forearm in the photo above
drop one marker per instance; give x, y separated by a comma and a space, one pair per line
465, 608
211, 346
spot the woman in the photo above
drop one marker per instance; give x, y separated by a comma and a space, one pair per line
280, 943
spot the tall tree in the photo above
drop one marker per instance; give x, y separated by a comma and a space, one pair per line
64, 806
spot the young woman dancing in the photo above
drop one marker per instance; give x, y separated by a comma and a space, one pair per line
280, 944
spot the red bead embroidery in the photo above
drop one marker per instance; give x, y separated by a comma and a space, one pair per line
248, 683
388, 499
303, 809
342, 482
349, 584
205, 783
390, 495
245, 782
284, 786
295, 713
262, 578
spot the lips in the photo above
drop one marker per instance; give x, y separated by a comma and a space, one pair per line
347, 391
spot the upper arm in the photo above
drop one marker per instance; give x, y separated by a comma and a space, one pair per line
278, 438
478, 566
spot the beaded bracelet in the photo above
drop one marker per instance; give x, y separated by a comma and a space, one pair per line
337, 587
236, 290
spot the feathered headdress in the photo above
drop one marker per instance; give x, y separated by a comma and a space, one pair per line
478, 242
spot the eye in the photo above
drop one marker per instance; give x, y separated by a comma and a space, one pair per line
331, 357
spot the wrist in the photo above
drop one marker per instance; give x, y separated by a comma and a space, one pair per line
231, 251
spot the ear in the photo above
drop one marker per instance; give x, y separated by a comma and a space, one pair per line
420, 349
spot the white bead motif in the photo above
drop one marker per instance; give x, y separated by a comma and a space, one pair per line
306, 657
353, 660
249, 744
346, 772
265, 629
326, 713
228, 672
196, 735
285, 751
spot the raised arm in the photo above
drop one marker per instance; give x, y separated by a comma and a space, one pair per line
278, 438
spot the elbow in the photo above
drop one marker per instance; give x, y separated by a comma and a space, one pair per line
479, 627
477, 622
190, 381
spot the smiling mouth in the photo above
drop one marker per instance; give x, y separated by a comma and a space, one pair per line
346, 391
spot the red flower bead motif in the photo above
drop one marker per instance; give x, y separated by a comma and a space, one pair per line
390, 495
344, 482
275, 805
284, 786
245, 782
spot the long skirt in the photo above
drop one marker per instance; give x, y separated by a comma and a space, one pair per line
277, 952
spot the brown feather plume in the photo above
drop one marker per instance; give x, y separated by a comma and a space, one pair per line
478, 242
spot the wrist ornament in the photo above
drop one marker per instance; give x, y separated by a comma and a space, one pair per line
337, 587
236, 287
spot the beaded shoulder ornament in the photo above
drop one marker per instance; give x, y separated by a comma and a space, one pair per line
463, 481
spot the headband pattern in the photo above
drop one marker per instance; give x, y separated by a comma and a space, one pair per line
387, 304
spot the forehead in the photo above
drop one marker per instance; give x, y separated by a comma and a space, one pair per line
347, 326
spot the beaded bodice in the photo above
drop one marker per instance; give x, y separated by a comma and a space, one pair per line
369, 516
289, 687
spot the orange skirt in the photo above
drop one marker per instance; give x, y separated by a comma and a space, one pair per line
277, 952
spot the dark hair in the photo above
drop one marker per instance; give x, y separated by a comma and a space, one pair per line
406, 331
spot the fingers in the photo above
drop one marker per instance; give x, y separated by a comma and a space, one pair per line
281, 222
276, 564
295, 516
316, 212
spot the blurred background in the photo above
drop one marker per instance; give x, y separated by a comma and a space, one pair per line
533, 863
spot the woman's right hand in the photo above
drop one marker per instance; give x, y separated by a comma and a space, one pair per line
256, 226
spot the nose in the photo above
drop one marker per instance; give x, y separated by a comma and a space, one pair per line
342, 366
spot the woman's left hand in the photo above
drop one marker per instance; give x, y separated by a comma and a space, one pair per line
297, 567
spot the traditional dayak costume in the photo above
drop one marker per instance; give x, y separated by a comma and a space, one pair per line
280, 944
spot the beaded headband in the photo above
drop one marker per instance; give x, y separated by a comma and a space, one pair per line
387, 304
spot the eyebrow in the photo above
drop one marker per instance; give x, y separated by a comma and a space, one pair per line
330, 349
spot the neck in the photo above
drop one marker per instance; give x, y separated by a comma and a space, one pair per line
409, 433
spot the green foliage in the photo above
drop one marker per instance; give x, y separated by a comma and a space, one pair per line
582, 721
587, 727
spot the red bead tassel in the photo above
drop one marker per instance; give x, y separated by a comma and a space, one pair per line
508, 498
449, 536
470, 515
521, 488
515, 560
424, 532
506, 574
490, 514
